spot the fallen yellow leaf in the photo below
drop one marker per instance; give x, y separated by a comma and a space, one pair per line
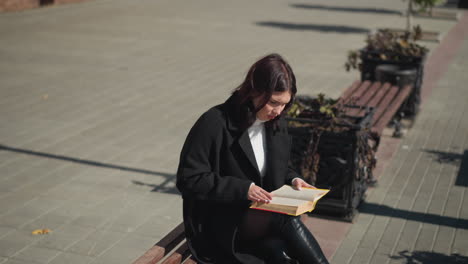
40, 231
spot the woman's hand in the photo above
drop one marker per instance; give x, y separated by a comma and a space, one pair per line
257, 194
298, 183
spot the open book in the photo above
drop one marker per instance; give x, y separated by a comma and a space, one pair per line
287, 200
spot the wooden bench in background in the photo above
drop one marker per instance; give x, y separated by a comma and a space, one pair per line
385, 98
175, 244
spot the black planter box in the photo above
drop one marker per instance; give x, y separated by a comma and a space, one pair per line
370, 61
339, 168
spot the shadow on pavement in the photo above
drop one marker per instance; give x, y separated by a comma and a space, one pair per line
457, 159
314, 27
161, 188
348, 9
426, 257
157, 188
384, 210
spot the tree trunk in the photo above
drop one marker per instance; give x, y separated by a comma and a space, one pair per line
409, 16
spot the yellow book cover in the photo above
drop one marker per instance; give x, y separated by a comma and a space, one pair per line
287, 200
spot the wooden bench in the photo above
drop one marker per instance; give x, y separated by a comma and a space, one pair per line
174, 242
385, 98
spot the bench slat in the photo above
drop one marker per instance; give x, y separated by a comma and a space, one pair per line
165, 245
392, 109
382, 106
364, 97
152, 256
350, 90
181, 254
377, 97
171, 240
190, 261
360, 91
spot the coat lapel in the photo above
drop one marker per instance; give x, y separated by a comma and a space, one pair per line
243, 141
246, 146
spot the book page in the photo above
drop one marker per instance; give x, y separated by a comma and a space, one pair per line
306, 194
286, 201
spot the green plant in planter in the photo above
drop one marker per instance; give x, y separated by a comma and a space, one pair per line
387, 45
321, 106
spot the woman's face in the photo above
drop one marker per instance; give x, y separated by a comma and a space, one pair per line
274, 106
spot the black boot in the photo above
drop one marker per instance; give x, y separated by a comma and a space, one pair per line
274, 251
301, 244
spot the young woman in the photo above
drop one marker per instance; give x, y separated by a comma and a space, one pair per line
236, 153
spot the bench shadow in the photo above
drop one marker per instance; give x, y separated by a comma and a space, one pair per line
314, 27
454, 158
384, 210
348, 9
163, 187
426, 257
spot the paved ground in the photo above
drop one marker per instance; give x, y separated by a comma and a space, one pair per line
97, 98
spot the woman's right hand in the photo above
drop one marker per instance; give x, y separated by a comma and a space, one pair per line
257, 194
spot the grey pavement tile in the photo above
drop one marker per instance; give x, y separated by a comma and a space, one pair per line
64, 237
380, 258
95, 243
29, 212
5, 230
16, 166
49, 220
25, 177
454, 201
426, 237
460, 243
44, 186
18, 261
94, 218
464, 209
343, 254
374, 232
70, 258
158, 225
15, 241
36, 254
361, 256
408, 236
444, 239
126, 250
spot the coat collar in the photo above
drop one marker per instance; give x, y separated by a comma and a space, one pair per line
277, 143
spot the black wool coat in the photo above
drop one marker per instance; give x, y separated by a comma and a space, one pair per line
217, 166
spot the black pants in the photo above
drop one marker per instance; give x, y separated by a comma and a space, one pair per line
279, 238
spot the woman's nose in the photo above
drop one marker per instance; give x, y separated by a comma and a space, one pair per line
278, 110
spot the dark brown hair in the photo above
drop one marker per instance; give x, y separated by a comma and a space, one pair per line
268, 75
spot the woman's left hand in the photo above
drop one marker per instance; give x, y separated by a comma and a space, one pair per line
298, 183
